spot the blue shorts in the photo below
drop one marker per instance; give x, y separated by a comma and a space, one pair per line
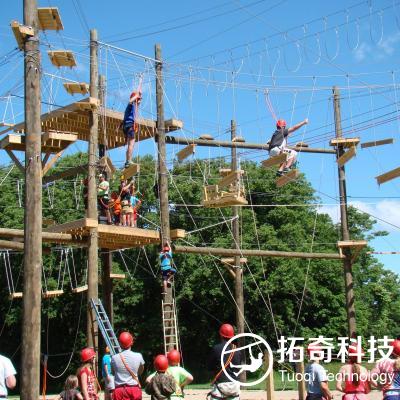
129, 132
166, 273
391, 396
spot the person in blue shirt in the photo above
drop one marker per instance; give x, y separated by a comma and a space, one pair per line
129, 126
167, 270
107, 375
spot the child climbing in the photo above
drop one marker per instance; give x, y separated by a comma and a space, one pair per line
167, 270
129, 126
278, 144
161, 385
70, 391
125, 194
102, 195
135, 203
86, 376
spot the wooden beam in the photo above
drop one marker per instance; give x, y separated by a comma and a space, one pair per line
388, 176
48, 237
254, 146
231, 260
80, 169
254, 253
7, 244
377, 143
52, 162
46, 158
347, 156
230, 270
16, 161
276, 160
291, 176
186, 152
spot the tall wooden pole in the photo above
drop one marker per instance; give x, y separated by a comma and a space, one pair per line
93, 277
239, 298
31, 325
163, 178
106, 255
347, 264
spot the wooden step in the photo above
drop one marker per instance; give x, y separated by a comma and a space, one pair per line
377, 143
21, 33
231, 260
131, 170
117, 276
80, 289
186, 152
49, 19
276, 160
76, 87
88, 104
231, 178
52, 293
16, 295
291, 176
62, 58
388, 176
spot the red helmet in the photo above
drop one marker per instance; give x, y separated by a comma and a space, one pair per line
174, 357
313, 347
396, 347
87, 354
166, 247
161, 363
138, 94
226, 331
354, 353
281, 123
125, 340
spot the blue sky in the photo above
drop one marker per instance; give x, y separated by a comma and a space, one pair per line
222, 57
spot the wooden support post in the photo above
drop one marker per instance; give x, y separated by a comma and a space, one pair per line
269, 381
32, 301
239, 298
347, 264
162, 170
50, 163
106, 255
93, 278
301, 384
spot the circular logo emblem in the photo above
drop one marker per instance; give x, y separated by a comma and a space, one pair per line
252, 351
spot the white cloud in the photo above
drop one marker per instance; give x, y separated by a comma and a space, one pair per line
385, 210
384, 49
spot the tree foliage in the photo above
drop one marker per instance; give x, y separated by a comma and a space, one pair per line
282, 296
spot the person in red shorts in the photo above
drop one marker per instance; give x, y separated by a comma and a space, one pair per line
127, 367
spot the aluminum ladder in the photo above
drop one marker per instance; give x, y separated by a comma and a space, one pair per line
105, 326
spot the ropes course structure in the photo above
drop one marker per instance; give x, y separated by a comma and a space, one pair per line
228, 195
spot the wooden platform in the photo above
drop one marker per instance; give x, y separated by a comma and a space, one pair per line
49, 19
52, 142
276, 160
355, 247
291, 176
90, 104
345, 142
73, 119
76, 88
62, 58
114, 237
21, 33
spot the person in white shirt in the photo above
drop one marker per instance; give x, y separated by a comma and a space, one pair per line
7, 376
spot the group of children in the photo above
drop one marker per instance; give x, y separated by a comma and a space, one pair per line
166, 382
